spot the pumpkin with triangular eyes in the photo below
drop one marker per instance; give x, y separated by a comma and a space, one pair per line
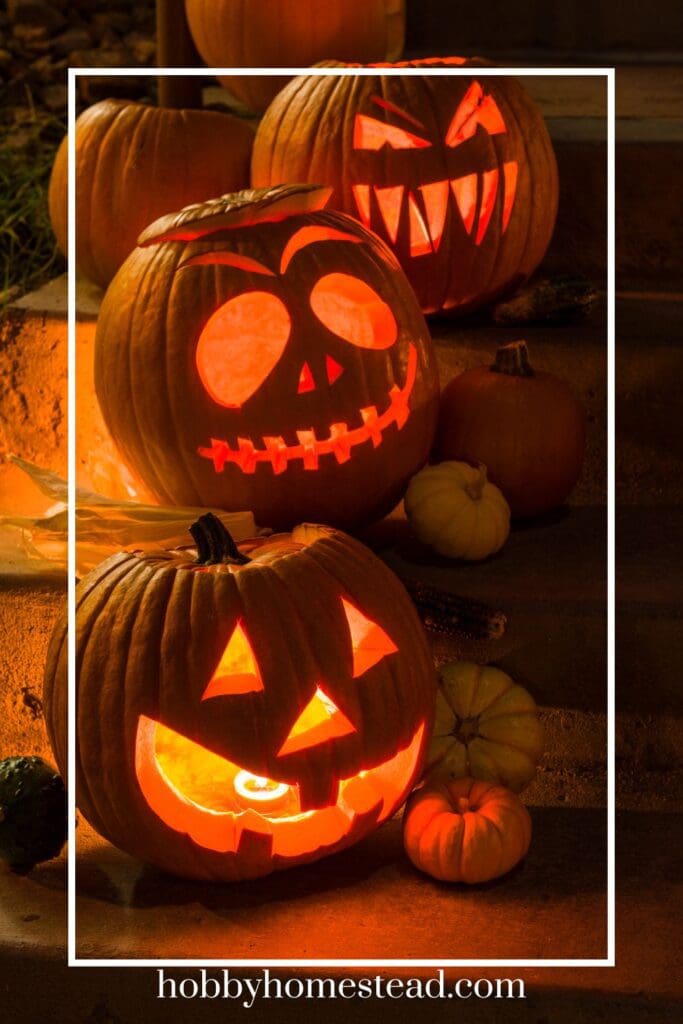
258, 352
456, 173
246, 710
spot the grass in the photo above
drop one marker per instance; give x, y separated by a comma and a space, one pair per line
29, 257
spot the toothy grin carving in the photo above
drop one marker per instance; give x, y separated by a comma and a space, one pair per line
339, 443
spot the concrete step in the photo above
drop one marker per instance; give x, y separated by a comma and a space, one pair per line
530, 25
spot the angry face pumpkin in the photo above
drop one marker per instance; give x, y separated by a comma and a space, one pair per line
456, 174
257, 352
257, 708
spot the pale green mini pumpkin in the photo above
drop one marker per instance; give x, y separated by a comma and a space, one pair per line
455, 510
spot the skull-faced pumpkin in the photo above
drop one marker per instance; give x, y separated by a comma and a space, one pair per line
245, 711
457, 174
257, 352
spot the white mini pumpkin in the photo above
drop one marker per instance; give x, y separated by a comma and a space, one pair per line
454, 509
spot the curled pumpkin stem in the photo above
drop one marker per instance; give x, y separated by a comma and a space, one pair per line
215, 544
476, 488
513, 360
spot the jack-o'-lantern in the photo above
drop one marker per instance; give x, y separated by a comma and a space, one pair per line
246, 711
257, 352
456, 173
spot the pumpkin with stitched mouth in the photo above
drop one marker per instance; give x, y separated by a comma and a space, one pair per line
246, 710
456, 173
257, 352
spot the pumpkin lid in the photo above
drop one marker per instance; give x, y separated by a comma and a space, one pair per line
250, 206
421, 62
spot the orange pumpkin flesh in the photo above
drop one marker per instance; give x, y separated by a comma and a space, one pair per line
258, 352
245, 727
135, 162
466, 830
525, 425
456, 174
291, 33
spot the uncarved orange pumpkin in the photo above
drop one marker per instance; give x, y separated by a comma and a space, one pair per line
466, 830
257, 352
135, 162
526, 425
456, 173
246, 710
291, 33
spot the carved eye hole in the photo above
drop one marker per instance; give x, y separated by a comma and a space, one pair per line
369, 133
240, 345
237, 670
369, 642
476, 108
353, 310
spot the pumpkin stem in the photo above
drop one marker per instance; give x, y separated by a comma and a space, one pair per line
513, 359
476, 488
463, 804
215, 545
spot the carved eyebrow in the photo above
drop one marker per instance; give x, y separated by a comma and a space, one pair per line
388, 105
227, 259
307, 236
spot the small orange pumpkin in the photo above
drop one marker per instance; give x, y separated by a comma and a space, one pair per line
525, 425
135, 162
466, 830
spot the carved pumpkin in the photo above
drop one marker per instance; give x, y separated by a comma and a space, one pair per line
257, 352
455, 510
135, 162
466, 831
457, 174
526, 425
287, 33
486, 726
257, 708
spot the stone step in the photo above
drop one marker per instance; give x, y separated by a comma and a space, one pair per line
580, 30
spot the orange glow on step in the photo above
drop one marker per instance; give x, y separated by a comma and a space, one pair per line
320, 721
237, 671
240, 344
390, 201
488, 201
353, 310
369, 133
435, 197
465, 192
368, 640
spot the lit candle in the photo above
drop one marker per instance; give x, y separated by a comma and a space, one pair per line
258, 789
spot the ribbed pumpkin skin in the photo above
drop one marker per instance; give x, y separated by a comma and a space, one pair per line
134, 163
472, 842
291, 33
149, 633
486, 726
529, 431
159, 414
307, 134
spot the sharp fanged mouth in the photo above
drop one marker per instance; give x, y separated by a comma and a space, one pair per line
474, 195
339, 442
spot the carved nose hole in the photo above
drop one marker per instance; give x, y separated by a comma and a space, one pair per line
334, 370
306, 382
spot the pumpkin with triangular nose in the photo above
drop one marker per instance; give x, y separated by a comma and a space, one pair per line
256, 708
258, 352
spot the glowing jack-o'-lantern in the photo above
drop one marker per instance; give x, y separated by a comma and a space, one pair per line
249, 710
457, 174
257, 352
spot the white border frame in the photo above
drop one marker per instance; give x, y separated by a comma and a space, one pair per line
605, 72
